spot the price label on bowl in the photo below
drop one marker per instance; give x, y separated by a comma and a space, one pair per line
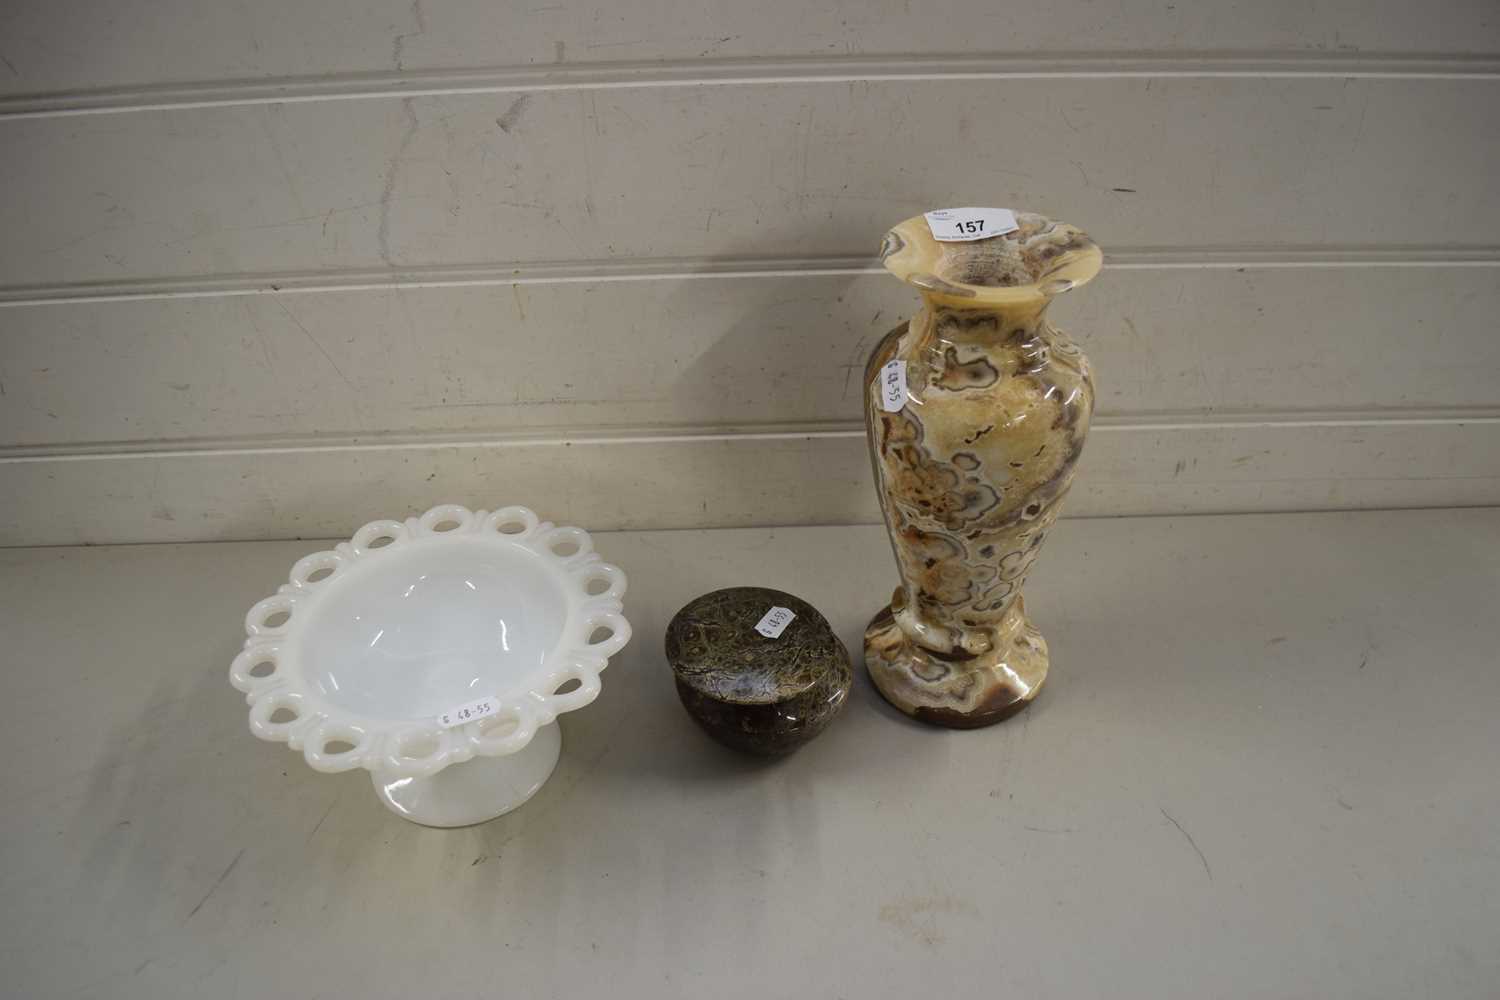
892, 386
963, 225
471, 712
774, 622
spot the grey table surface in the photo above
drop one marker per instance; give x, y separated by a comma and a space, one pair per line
1267, 764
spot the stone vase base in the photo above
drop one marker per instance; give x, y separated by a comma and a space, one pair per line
957, 688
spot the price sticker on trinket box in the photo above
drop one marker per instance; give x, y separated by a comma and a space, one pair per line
471, 712
774, 622
893, 386
961, 225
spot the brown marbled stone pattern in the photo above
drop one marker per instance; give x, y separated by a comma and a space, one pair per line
973, 469
761, 695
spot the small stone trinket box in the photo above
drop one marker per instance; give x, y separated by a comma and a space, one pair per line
760, 670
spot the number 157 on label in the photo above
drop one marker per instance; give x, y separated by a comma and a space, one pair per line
961, 225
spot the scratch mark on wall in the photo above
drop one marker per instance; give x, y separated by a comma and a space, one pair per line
1209, 871
1359, 130
301, 220
383, 233
260, 335
591, 116
308, 334
286, 173
8, 65
86, 236
319, 824
856, 361
513, 113
217, 882
398, 44
806, 143
538, 206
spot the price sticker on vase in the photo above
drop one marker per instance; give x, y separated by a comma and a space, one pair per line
892, 386
963, 225
774, 622
471, 712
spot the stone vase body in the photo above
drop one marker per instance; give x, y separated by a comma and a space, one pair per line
973, 466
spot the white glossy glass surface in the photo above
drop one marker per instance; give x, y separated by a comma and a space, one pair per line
363, 656
414, 637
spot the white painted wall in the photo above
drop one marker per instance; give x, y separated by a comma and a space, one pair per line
273, 269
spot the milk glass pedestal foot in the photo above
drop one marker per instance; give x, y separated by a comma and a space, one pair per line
436, 653
480, 790
972, 461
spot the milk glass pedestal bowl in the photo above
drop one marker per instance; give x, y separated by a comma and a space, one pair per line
436, 653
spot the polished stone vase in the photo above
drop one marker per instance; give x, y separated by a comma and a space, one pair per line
972, 462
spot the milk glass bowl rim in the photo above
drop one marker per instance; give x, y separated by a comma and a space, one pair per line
558, 568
